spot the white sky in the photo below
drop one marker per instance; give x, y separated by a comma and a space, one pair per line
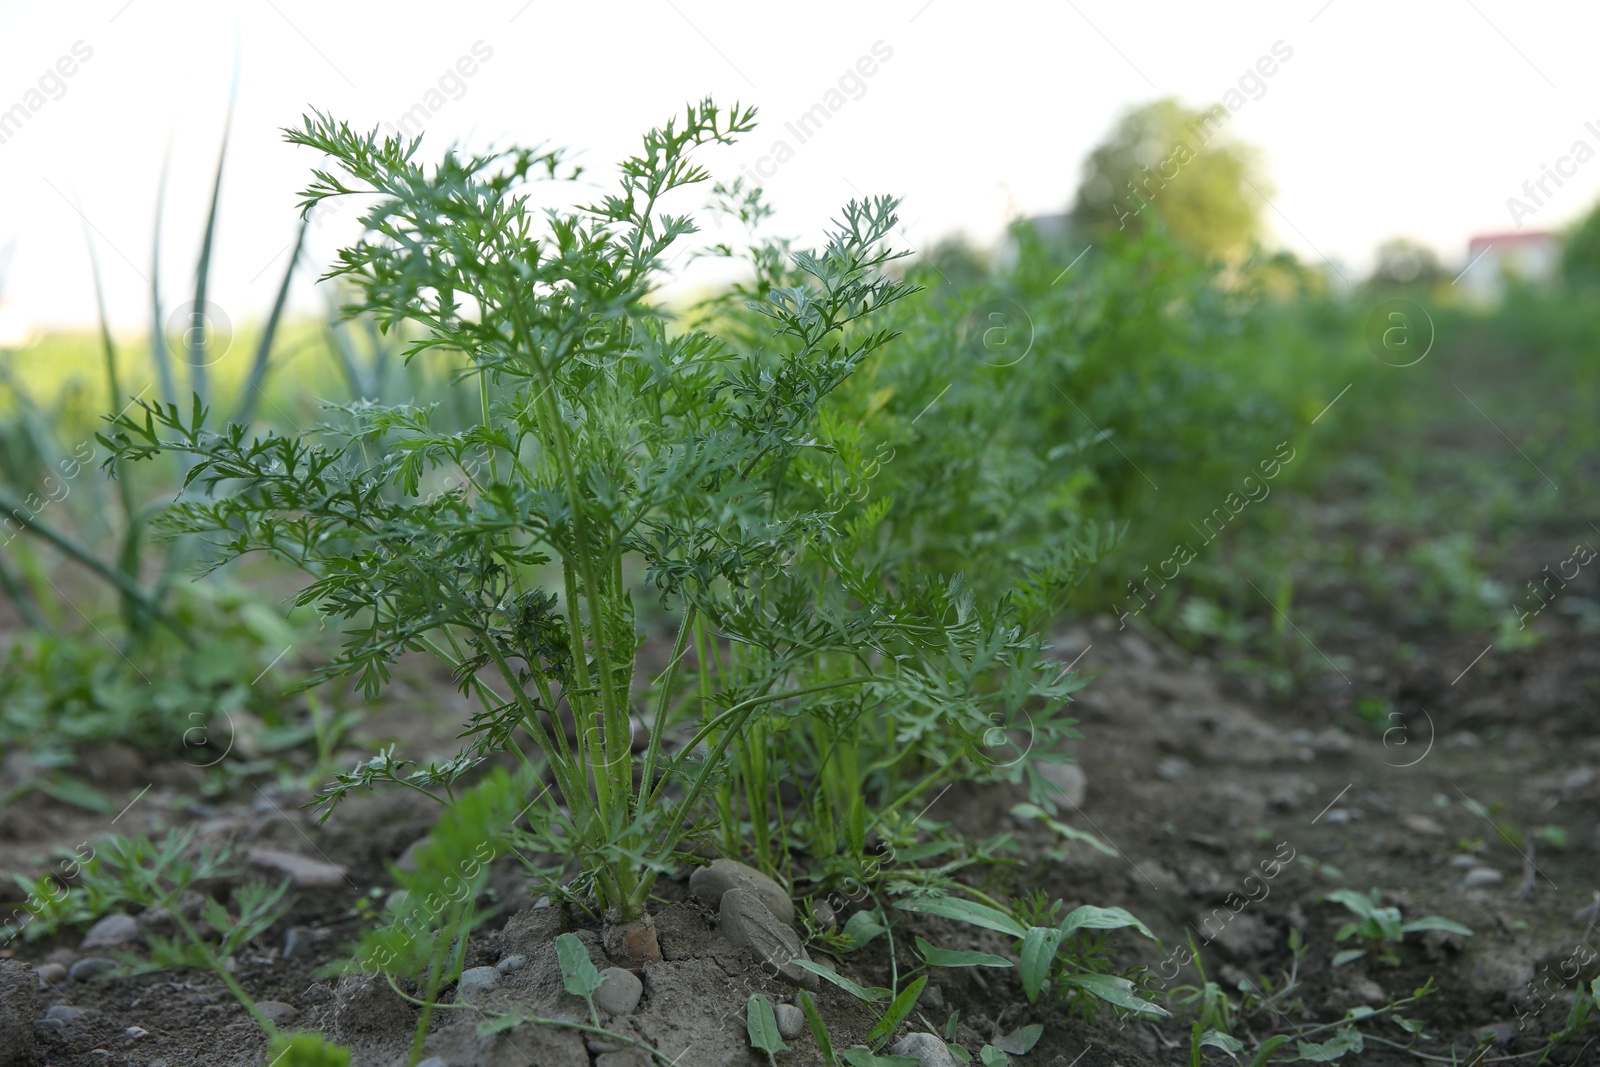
1416, 118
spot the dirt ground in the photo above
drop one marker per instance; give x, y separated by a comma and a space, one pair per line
1194, 783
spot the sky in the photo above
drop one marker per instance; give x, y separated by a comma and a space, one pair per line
1420, 118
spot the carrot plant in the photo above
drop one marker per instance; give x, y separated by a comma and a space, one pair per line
615, 451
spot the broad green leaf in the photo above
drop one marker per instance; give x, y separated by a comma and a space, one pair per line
1349, 955
897, 1011
1070, 833
762, 1026
1020, 1042
1435, 922
578, 973
966, 911
1268, 1047
1217, 1039
862, 927
1346, 1040
865, 994
993, 1057
944, 957
861, 1056
818, 1030
1114, 990
1039, 946
961, 1055
1090, 917
78, 793
490, 1027
1358, 903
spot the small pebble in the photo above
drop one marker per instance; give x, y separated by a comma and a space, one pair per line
620, 992
51, 974
477, 980
926, 1049
1171, 769
87, 968
113, 930
433, 1061
303, 871
49, 1026
1463, 863
277, 1012
65, 1012
791, 1020
1482, 876
136, 1032
512, 963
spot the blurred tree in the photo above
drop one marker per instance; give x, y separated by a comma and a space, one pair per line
1580, 251
1404, 263
1173, 161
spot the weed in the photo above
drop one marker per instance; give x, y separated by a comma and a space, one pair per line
1380, 927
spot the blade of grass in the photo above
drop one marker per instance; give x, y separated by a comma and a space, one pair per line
128, 554
159, 355
258, 366
78, 554
196, 338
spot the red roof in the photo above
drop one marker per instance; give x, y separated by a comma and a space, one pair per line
1512, 237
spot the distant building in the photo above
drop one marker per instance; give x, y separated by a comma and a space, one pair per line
1493, 259
1051, 229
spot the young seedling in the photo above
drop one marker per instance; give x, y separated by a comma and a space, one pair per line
578, 972
1380, 927
1041, 963
762, 1025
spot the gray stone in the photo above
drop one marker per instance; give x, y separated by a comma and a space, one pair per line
115, 929
1463, 862
926, 1049
65, 1012
620, 992
1332, 742
747, 923
476, 980
1174, 769
90, 966
433, 1061
19, 1011
710, 882
277, 1012
791, 1021
136, 1032
514, 962
51, 974
1479, 877
1069, 781
303, 871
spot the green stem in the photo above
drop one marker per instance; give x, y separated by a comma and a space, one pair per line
221, 972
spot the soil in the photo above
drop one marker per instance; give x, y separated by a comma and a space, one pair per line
1193, 783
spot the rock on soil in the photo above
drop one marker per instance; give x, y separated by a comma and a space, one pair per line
90, 966
791, 1021
52, 974
19, 1006
927, 1049
115, 929
747, 923
620, 992
710, 882
304, 872
1479, 877
1069, 780
476, 980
